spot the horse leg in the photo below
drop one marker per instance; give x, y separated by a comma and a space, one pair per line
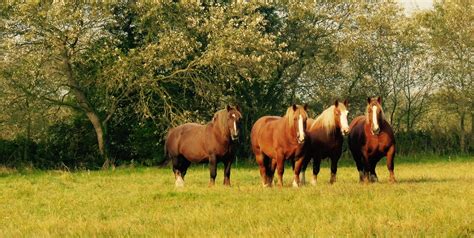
298, 164
212, 170
373, 175
271, 166
334, 160
227, 164
390, 165
316, 168
260, 158
365, 175
180, 166
360, 167
280, 166
304, 165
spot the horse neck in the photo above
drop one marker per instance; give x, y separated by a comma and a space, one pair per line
291, 136
319, 128
219, 131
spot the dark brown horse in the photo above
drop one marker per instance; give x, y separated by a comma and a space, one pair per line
211, 143
275, 139
370, 139
324, 139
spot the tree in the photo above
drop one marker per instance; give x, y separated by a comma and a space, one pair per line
71, 44
450, 29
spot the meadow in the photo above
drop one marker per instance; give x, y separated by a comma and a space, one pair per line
434, 196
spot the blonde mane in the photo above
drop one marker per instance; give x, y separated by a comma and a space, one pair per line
290, 114
326, 119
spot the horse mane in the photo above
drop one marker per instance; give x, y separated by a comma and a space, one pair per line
289, 115
326, 118
220, 120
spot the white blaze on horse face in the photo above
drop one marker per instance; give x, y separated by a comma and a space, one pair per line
344, 123
300, 128
235, 128
375, 124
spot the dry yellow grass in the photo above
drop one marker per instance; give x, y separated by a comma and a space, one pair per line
430, 199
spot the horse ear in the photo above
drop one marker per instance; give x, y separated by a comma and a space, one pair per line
228, 108
368, 100
336, 103
237, 107
379, 100
305, 106
294, 107
346, 103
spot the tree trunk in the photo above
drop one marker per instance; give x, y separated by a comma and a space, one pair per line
90, 112
471, 140
101, 134
26, 149
462, 135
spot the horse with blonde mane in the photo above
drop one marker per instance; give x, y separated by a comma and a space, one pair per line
370, 139
211, 143
325, 139
275, 139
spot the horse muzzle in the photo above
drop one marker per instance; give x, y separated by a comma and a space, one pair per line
234, 137
345, 132
376, 131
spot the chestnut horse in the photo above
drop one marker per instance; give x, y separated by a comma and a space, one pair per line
370, 139
324, 139
275, 139
211, 143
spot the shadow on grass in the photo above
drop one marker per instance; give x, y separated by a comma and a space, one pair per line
347, 161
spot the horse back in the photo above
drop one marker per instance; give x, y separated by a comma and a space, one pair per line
269, 137
263, 132
187, 140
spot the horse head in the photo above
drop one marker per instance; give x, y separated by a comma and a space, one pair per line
374, 114
233, 121
297, 117
340, 116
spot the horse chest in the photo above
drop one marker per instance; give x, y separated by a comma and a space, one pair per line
376, 145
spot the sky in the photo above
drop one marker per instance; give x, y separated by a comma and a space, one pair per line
413, 5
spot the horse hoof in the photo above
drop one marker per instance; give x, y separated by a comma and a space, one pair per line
179, 182
373, 179
313, 182
295, 184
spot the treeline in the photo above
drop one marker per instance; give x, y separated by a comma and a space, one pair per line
88, 85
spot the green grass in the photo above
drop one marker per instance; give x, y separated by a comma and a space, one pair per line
433, 197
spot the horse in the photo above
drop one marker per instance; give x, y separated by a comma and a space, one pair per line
325, 139
275, 139
370, 139
212, 143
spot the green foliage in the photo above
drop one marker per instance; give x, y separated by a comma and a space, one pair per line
103, 83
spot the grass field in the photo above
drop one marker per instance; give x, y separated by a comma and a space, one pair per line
433, 197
